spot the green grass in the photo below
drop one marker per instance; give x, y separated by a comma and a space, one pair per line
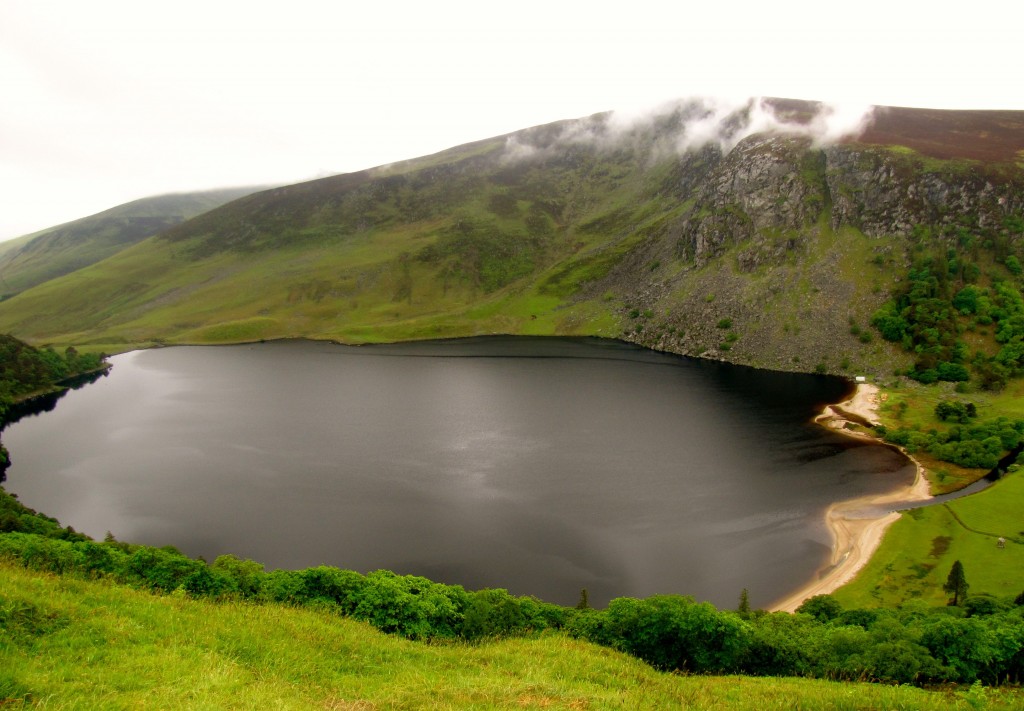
243, 330
78, 644
918, 550
41, 256
911, 405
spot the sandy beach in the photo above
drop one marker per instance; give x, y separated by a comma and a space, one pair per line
857, 525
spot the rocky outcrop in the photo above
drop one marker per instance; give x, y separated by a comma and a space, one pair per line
771, 189
768, 188
887, 192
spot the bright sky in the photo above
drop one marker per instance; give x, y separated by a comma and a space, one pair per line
106, 101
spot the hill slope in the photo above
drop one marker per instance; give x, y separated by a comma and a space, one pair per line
36, 258
735, 235
74, 643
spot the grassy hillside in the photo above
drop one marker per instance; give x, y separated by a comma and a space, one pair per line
78, 644
362, 257
580, 227
41, 256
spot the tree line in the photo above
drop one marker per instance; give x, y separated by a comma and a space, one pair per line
26, 370
946, 296
979, 638
974, 446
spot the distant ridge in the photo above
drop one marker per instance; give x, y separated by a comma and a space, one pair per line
38, 257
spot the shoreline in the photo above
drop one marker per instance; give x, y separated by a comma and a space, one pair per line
857, 525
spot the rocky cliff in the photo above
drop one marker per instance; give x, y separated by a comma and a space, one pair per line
787, 245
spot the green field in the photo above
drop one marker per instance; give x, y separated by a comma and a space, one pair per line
918, 551
78, 644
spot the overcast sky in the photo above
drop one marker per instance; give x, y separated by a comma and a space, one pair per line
102, 102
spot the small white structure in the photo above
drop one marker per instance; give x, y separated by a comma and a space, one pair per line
861, 378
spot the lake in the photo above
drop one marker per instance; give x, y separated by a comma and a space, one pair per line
538, 465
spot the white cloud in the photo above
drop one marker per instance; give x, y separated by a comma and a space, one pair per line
112, 100
693, 123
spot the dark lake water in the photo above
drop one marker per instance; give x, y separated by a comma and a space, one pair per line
538, 465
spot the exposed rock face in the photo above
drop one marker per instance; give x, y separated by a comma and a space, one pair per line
884, 193
770, 189
766, 184
787, 248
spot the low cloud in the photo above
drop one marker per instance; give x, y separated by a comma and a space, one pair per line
691, 124
516, 149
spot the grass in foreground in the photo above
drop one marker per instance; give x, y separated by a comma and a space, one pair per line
77, 644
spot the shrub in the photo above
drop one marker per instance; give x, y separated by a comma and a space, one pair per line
955, 410
247, 575
492, 613
342, 588
411, 606
161, 568
673, 632
823, 608
39, 553
952, 372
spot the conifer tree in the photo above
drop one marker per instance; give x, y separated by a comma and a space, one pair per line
744, 608
584, 603
956, 583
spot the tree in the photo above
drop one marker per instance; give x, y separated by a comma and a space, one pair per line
823, 608
744, 608
584, 603
956, 583
955, 410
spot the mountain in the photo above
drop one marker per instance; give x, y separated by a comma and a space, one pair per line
760, 234
32, 259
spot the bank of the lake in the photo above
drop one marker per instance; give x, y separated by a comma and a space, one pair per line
857, 525
977, 525
540, 465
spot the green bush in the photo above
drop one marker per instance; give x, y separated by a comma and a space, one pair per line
411, 606
673, 632
823, 608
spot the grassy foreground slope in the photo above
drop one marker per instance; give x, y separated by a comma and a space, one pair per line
78, 644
